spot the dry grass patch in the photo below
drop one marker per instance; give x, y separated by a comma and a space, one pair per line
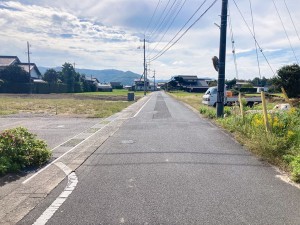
193, 99
63, 106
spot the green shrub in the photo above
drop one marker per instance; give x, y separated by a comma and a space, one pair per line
280, 146
208, 112
211, 112
20, 149
294, 163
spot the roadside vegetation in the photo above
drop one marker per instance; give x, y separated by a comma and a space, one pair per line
63, 105
280, 146
280, 143
21, 149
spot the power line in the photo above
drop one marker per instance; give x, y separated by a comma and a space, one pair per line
158, 3
287, 36
161, 15
184, 25
292, 19
167, 18
261, 50
168, 26
233, 46
167, 47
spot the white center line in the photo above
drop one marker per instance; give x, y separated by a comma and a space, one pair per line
72, 182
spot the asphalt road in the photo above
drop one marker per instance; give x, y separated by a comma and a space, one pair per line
167, 165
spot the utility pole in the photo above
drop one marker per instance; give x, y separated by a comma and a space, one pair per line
145, 70
28, 55
154, 80
222, 58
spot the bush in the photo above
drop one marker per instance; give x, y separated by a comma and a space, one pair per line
20, 149
211, 112
11, 87
78, 87
41, 88
280, 146
288, 77
208, 112
294, 163
248, 90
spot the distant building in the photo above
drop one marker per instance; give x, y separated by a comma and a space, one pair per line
160, 85
92, 80
240, 84
104, 87
189, 83
6, 61
260, 89
139, 84
34, 71
116, 85
129, 88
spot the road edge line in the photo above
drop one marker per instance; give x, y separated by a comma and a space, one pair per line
72, 183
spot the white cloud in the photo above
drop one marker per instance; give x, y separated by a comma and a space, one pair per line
179, 63
105, 34
57, 33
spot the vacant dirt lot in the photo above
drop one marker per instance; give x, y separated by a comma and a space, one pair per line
67, 96
72, 105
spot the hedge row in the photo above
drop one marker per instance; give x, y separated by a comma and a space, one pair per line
248, 90
37, 88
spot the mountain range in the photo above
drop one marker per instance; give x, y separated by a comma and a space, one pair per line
105, 76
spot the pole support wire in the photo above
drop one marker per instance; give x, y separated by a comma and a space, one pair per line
287, 36
260, 49
233, 46
253, 27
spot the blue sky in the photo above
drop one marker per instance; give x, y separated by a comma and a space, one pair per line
107, 34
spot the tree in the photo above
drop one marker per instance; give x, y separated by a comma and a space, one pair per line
230, 83
51, 76
288, 77
264, 81
256, 81
260, 82
68, 74
14, 74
